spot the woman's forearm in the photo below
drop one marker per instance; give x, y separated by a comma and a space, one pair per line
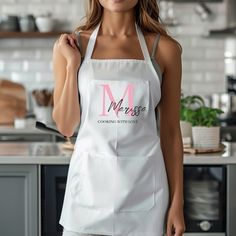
66, 112
172, 148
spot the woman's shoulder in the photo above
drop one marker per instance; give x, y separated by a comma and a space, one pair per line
171, 50
166, 43
167, 49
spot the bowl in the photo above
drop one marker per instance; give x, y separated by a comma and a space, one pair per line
45, 23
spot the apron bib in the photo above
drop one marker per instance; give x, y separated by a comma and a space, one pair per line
117, 182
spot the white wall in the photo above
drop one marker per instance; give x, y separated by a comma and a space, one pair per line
29, 60
203, 58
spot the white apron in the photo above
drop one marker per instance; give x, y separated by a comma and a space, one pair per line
117, 182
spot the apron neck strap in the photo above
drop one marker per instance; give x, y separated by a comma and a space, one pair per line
91, 42
142, 43
93, 36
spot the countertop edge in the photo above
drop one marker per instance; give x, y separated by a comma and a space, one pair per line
61, 160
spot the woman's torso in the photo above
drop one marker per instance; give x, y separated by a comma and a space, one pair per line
112, 133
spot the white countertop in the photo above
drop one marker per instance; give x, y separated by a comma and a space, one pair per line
29, 128
34, 153
54, 153
10, 129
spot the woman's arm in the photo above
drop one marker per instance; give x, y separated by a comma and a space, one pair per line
66, 63
170, 133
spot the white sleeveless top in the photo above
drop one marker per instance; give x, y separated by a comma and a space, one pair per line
117, 182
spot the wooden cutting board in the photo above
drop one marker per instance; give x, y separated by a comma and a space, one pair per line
193, 150
12, 101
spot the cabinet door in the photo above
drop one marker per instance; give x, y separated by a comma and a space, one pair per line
18, 200
231, 203
53, 184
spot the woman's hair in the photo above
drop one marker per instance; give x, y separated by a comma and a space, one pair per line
146, 15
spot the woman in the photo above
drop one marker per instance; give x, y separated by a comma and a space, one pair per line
123, 179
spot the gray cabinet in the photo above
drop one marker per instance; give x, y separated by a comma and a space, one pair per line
18, 200
231, 203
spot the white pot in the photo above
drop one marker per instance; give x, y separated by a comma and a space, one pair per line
186, 130
44, 114
206, 137
44, 23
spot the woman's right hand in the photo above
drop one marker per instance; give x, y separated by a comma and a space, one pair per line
66, 45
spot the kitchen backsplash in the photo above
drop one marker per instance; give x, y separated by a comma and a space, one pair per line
203, 58
29, 60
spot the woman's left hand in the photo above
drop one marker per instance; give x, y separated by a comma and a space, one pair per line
175, 221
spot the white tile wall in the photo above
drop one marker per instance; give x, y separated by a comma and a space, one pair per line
29, 60
203, 58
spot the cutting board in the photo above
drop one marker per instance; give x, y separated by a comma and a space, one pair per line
12, 101
193, 150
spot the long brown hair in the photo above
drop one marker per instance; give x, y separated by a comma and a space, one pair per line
146, 15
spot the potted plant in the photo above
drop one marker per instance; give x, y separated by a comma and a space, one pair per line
205, 127
188, 103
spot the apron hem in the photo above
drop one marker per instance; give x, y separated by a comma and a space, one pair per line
101, 233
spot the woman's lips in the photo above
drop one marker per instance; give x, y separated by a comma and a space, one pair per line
118, 1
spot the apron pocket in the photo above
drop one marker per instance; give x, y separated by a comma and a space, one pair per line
135, 183
119, 183
94, 187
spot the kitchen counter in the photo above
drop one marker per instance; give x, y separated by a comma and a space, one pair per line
34, 153
29, 128
54, 153
28, 133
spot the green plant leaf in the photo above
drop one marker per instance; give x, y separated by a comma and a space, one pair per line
194, 110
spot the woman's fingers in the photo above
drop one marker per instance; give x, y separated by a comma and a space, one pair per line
169, 229
179, 230
72, 41
174, 230
62, 37
67, 39
74, 36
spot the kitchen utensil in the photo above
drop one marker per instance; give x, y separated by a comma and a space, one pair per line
203, 11
9, 23
27, 23
43, 97
67, 145
45, 128
48, 129
45, 23
226, 102
44, 114
44, 105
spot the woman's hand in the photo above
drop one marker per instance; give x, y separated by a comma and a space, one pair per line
67, 46
175, 221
